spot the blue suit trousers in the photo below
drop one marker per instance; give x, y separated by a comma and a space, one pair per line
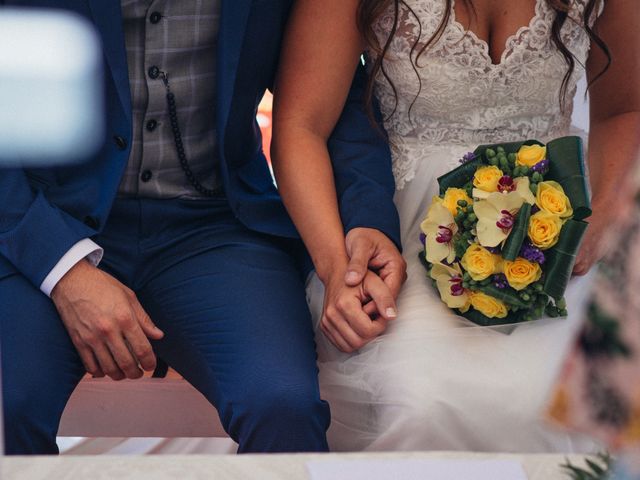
231, 303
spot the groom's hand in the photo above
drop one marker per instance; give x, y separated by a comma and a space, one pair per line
106, 323
370, 249
345, 320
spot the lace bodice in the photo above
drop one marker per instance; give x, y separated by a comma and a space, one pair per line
457, 96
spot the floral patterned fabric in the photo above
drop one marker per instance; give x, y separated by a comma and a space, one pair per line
599, 387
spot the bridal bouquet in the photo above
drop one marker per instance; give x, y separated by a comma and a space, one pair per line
502, 236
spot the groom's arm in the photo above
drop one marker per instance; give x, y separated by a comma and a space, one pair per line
99, 312
52, 249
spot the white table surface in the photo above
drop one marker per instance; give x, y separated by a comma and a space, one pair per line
228, 467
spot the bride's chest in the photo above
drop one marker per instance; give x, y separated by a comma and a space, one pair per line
493, 21
437, 66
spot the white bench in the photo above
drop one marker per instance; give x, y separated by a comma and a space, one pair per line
148, 407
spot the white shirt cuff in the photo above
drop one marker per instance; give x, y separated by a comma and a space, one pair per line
84, 249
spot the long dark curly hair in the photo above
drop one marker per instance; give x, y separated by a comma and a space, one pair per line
370, 10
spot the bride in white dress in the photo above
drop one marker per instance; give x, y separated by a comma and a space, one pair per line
433, 380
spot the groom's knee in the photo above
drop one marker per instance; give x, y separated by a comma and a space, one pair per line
279, 417
30, 422
288, 405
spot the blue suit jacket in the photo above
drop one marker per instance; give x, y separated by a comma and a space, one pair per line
44, 212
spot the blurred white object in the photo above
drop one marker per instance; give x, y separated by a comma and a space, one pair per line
51, 87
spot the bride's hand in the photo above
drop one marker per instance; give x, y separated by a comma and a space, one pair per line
589, 254
345, 319
600, 235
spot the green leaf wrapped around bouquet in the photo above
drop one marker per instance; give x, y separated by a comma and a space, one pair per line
484, 321
566, 166
562, 257
506, 295
459, 176
513, 244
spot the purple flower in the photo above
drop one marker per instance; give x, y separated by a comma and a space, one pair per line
541, 167
468, 157
423, 238
495, 250
532, 253
500, 281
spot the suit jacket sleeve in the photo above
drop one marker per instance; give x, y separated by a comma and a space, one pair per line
34, 234
362, 167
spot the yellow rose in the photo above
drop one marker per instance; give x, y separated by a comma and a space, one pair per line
488, 306
544, 229
451, 197
552, 199
486, 178
480, 262
529, 155
521, 272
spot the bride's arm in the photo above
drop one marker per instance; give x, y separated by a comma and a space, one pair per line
320, 56
614, 133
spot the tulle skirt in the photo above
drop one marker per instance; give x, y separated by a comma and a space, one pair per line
433, 380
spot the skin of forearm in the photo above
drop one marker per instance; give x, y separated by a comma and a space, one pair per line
308, 191
614, 151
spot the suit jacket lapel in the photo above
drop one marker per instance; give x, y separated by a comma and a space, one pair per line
233, 23
108, 18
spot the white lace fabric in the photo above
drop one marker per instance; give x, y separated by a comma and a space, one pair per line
458, 96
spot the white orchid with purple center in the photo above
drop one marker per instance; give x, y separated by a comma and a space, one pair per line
496, 217
439, 228
507, 184
449, 282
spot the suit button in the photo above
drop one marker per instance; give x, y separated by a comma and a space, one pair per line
155, 17
154, 72
146, 176
120, 142
91, 222
151, 125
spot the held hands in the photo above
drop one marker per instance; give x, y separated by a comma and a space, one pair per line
369, 248
360, 297
107, 325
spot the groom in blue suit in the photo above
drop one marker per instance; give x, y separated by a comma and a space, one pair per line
172, 240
